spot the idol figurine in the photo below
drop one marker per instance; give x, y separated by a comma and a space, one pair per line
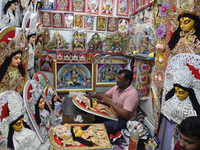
9, 14
31, 35
39, 40
57, 105
95, 44
181, 88
43, 116
122, 9
15, 128
186, 38
13, 57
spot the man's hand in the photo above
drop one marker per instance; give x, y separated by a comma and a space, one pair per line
90, 94
106, 100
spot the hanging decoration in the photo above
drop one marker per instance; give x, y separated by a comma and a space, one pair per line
45, 18
107, 7
57, 20
112, 24
79, 41
63, 5
122, 7
101, 23
89, 22
78, 5
68, 20
46, 63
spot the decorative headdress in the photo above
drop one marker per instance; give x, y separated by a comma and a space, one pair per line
146, 14
19, 42
188, 6
184, 72
16, 109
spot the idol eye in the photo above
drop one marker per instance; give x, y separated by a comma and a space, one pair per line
186, 22
181, 92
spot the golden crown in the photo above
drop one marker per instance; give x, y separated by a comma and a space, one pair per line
188, 6
19, 42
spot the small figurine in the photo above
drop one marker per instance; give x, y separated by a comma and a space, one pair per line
57, 105
89, 21
123, 26
39, 40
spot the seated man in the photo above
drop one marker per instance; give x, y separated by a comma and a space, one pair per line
189, 136
124, 101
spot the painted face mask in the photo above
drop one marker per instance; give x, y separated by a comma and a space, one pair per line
181, 94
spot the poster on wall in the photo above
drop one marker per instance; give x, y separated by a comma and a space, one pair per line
93, 6
78, 5
89, 22
123, 24
46, 4
112, 24
57, 19
79, 41
101, 23
107, 7
78, 20
71, 77
68, 20
122, 7
45, 18
62, 5
106, 73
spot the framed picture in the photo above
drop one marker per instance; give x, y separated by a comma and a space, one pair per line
45, 18
112, 24
79, 41
89, 22
93, 6
101, 23
78, 5
73, 77
123, 24
107, 7
105, 74
122, 7
46, 4
78, 20
57, 19
68, 20
62, 5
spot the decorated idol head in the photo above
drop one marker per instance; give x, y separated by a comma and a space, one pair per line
123, 7
11, 4
189, 22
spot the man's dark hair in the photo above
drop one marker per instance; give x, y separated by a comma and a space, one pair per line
127, 74
190, 127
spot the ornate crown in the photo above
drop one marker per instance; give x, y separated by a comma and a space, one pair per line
39, 29
188, 6
19, 42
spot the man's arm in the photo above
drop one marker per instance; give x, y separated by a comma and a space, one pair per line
120, 112
97, 96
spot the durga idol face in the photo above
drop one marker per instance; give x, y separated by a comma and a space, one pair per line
181, 94
186, 24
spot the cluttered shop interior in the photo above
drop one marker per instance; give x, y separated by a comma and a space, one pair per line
99, 75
